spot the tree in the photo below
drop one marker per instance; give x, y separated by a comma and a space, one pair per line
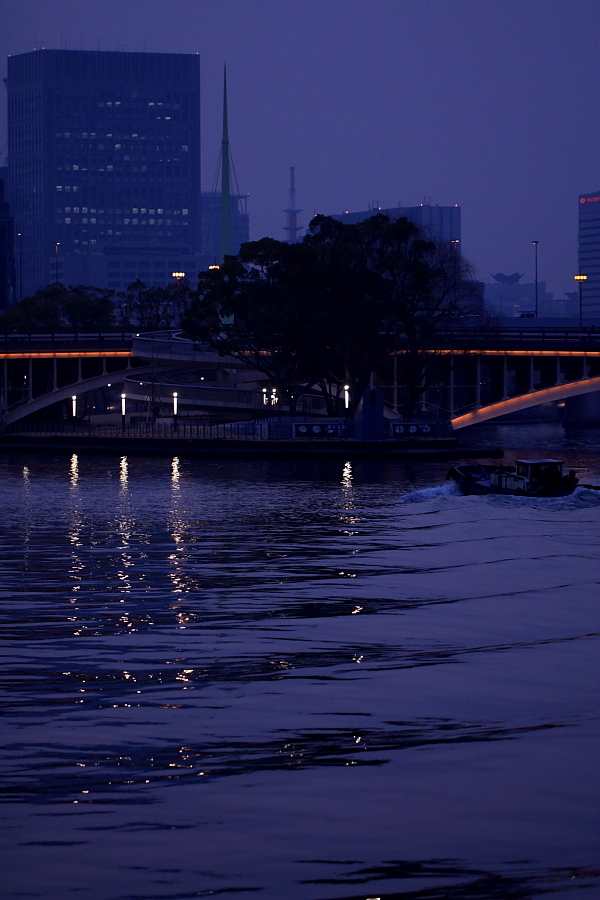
89, 309
156, 308
56, 308
331, 309
250, 308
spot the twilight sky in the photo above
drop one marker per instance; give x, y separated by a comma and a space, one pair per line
491, 104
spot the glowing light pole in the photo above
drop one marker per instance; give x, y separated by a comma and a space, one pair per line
74, 406
123, 399
580, 279
347, 396
175, 411
535, 244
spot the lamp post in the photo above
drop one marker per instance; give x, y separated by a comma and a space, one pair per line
20, 236
123, 399
580, 279
56, 246
347, 396
535, 244
74, 406
175, 412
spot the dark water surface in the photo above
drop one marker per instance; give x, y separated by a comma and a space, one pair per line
299, 681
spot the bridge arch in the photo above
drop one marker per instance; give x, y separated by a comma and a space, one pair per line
526, 401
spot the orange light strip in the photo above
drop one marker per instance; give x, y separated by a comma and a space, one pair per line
67, 354
526, 401
507, 352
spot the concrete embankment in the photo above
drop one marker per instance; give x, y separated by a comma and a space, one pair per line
245, 449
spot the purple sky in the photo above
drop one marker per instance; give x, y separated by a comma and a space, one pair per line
492, 104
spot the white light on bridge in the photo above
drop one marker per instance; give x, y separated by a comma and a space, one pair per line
174, 403
347, 396
123, 398
74, 405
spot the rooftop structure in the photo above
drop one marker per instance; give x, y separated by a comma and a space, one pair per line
442, 223
589, 253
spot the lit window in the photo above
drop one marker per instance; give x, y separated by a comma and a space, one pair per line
117, 146
84, 209
185, 212
185, 148
93, 221
59, 187
109, 168
75, 189
126, 221
143, 211
109, 102
160, 211
151, 221
135, 210
151, 103
68, 220
75, 209
117, 102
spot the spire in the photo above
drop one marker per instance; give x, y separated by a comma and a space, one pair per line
292, 227
225, 179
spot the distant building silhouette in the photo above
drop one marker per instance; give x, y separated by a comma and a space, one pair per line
7, 248
104, 159
589, 252
441, 222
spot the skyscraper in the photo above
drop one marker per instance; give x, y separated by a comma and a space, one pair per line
589, 252
104, 165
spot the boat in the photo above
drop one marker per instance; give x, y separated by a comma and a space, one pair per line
530, 477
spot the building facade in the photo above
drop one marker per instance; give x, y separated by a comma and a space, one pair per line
104, 166
442, 223
7, 247
589, 253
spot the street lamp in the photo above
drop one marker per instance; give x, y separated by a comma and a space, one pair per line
347, 396
535, 244
178, 275
56, 246
580, 279
123, 398
175, 411
74, 406
20, 236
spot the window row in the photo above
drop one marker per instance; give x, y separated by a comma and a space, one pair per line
128, 221
123, 212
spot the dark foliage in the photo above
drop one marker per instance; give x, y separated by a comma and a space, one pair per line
329, 310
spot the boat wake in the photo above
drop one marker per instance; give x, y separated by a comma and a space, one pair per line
581, 498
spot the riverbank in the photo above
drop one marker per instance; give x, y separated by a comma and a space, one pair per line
224, 448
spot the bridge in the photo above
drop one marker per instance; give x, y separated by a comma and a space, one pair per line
478, 375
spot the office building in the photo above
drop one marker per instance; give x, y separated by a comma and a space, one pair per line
104, 166
442, 223
7, 248
589, 253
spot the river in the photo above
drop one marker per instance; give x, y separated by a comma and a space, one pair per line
298, 680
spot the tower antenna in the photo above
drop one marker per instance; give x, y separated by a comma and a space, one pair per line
293, 227
225, 180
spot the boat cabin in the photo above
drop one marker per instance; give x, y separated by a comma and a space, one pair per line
530, 476
540, 469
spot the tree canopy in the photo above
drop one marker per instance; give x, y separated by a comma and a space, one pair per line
56, 308
329, 310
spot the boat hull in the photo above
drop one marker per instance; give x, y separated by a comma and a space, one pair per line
475, 480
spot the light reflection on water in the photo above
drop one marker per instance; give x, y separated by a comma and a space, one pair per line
323, 680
